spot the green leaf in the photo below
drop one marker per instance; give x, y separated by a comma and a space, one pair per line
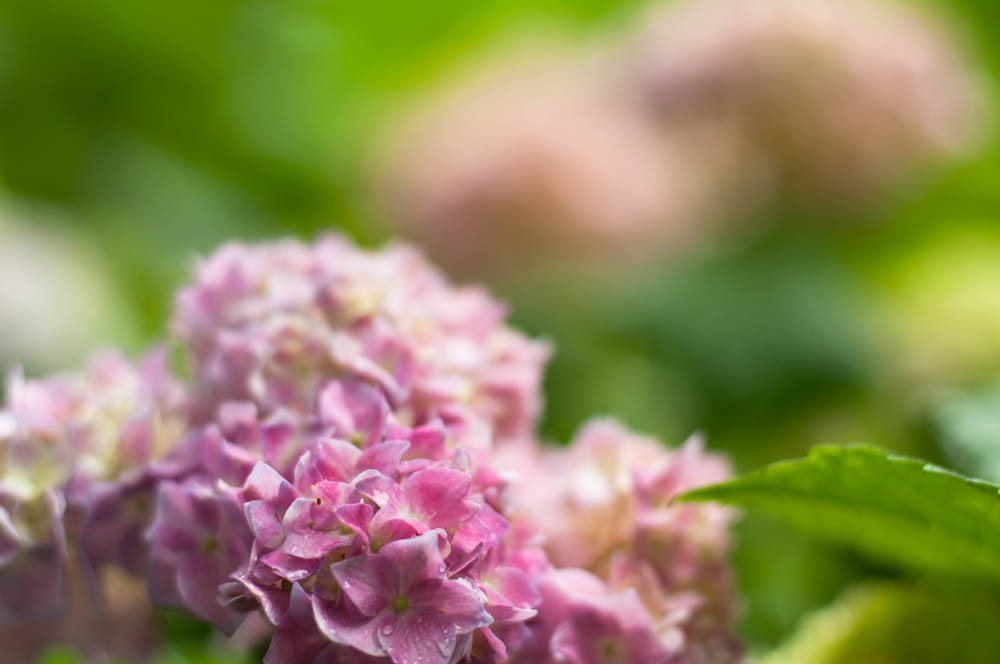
897, 624
968, 428
898, 509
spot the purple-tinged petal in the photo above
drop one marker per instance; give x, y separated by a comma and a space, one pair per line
357, 517
417, 558
339, 626
601, 634
265, 483
505, 613
289, 567
314, 544
231, 463
388, 526
272, 600
336, 459
460, 560
335, 494
440, 496
264, 524
369, 582
417, 635
354, 409
172, 528
198, 579
509, 585
383, 457
297, 640
459, 601
485, 530
380, 489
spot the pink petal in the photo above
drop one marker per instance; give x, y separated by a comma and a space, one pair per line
383, 457
417, 635
380, 489
264, 524
297, 638
513, 587
352, 408
340, 627
198, 579
463, 605
369, 582
265, 483
439, 494
417, 558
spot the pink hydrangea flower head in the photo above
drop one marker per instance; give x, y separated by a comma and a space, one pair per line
540, 156
835, 99
605, 504
273, 324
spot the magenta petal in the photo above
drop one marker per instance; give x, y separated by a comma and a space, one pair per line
336, 459
222, 459
417, 635
337, 493
172, 525
354, 407
339, 627
298, 515
369, 582
417, 558
594, 634
387, 526
379, 489
290, 567
198, 579
265, 483
383, 457
496, 649
297, 639
314, 544
357, 517
264, 524
505, 613
461, 603
513, 586
439, 495
273, 601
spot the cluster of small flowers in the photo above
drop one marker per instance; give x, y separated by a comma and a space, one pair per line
353, 459
704, 112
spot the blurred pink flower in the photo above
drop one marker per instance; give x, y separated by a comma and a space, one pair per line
829, 98
539, 158
605, 504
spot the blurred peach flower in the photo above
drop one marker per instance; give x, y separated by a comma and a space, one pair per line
539, 157
827, 99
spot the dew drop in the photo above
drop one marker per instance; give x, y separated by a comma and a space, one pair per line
387, 630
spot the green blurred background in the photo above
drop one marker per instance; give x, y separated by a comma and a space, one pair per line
134, 137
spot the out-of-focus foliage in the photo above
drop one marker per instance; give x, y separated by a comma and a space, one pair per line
968, 426
898, 624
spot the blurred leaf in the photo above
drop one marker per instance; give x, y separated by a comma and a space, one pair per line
968, 428
59, 655
891, 624
899, 509
810, 576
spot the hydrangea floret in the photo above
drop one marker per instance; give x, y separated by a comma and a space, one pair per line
353, 460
